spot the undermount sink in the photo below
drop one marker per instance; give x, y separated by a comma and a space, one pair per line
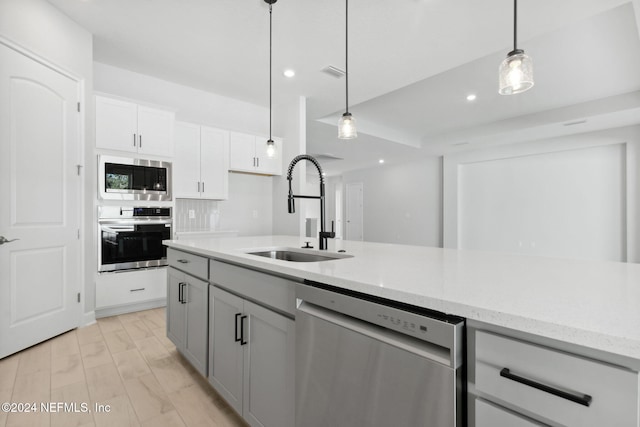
298, 255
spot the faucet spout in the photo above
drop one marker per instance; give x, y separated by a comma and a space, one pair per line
291, 208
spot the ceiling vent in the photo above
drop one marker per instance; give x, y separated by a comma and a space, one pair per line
333, 71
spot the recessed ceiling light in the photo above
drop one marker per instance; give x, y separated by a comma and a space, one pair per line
471, 97
289, 73
381, 161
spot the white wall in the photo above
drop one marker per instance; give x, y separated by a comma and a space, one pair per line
191, 105
290, 122
402, 203
40, 28
576, 196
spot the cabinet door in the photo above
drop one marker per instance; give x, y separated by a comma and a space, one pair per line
116, 124
269, 366
175, 308
214, 163
186, 164
196, 295
269, 165
226, 357
155, 131
242, 156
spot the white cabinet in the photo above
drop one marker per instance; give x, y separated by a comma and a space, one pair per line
128, 291
248, 153
126, 126
201, 164
252, 359
187, 316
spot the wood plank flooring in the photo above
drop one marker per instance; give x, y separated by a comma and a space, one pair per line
125, 362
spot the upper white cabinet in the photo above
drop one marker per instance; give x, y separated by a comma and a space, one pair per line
201, 163
248, 153
126, 126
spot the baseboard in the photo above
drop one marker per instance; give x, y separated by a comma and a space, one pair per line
130, 308
88, 318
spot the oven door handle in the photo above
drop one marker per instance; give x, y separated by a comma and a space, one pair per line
119, 227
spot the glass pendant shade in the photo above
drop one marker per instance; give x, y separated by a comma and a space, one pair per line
516, 73
347, 127
271, 148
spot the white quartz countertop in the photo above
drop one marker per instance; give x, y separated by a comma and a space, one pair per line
589, 303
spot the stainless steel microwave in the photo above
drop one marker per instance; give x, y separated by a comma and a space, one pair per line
121, 178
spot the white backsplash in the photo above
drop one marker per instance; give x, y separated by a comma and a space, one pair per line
206, 215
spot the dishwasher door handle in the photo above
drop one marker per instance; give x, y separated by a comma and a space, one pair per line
421, 348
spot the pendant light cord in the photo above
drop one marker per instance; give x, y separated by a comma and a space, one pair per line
270, 65
515, 24
346, 54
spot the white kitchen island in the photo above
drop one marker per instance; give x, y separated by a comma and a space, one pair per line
571, 309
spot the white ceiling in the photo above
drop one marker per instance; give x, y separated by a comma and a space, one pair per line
411, 62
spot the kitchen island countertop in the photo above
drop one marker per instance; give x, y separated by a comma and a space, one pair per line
593, 304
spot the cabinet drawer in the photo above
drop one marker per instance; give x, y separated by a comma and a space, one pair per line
192, 264
613, 391
114, 289
268, 290
488, 415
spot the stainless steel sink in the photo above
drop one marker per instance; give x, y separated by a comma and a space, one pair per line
298, 255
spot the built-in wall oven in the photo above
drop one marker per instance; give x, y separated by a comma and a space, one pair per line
131, 237
121, 178
368, 361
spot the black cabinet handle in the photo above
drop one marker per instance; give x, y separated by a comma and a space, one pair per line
242, 341
137, 290
237, 335
180, 292
183, 261
583, 399
181, 296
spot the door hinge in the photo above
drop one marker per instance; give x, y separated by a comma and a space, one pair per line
78, 296
78, 107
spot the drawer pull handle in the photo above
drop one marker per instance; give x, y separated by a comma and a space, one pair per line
237, 337
183, 261
242, 340
137, 290
584, 399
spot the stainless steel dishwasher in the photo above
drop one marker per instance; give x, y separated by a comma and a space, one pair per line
366, 361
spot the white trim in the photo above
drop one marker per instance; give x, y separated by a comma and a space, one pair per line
88, 319
629, 137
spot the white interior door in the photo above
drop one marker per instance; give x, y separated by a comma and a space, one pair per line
39, 151
355, 201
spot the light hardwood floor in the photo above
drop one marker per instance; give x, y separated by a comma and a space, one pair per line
125, 362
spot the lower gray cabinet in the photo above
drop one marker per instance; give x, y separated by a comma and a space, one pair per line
187, 317
252, 359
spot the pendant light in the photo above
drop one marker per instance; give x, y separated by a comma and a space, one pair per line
516, 71
271, 145
347, 124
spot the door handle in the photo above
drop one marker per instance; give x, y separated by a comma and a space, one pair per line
4, 240
140, 141
582, 399
238, 338
180, 292
242, 341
